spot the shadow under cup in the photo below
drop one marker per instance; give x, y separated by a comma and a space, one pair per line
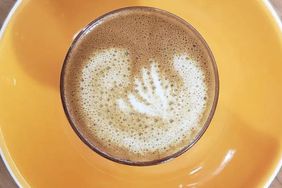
207, 118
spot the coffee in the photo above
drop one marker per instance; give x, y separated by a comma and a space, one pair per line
139, 85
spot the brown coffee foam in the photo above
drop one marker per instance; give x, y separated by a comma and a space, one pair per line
144, 34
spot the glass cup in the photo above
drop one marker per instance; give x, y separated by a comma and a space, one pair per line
78, 131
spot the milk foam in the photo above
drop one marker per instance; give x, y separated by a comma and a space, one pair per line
179, 109
138, 86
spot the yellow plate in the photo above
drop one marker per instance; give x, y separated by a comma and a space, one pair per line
241, 148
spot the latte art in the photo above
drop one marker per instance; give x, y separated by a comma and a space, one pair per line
151, 95
159, 111
142, 92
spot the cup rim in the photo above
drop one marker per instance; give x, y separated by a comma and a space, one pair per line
83, 31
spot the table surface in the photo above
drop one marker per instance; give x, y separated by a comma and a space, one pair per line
6, 180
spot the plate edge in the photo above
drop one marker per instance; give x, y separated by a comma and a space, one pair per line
14, 175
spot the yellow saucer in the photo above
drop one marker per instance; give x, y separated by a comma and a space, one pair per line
241, 148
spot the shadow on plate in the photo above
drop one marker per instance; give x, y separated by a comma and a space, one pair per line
43, 32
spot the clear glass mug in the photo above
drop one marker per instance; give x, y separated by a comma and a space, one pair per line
211, 108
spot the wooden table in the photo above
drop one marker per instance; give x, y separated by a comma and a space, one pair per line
6, 180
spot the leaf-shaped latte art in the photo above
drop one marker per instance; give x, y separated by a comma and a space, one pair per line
147, 112
151, 95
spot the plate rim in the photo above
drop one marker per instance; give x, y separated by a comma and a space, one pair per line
20, 180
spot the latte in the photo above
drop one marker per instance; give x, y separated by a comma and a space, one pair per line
139, 85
